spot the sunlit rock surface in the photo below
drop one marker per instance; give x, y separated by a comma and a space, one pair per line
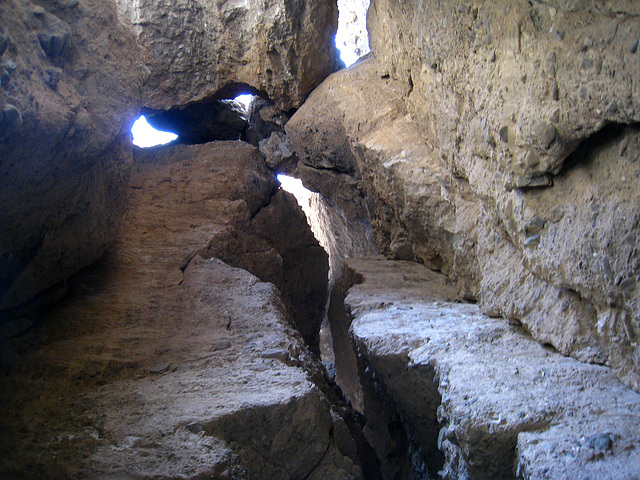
493, 401
498, 144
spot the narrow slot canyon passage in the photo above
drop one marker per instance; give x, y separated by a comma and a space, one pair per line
320, 240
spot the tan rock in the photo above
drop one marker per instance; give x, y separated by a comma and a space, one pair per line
161, 362
193, 50
472, 123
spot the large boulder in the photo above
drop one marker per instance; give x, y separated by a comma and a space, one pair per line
71, 76
196, 49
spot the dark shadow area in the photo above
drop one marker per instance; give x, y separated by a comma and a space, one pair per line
201, 122
584, 151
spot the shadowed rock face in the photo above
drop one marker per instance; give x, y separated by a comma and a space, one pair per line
165, 361
499, 144
194, 49
71, 78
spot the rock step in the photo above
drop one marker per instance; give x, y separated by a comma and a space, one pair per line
495, 402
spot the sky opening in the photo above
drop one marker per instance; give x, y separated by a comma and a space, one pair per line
145, 136
352, 38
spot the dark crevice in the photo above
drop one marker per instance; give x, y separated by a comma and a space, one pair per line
400, 451
608, 134
200, 122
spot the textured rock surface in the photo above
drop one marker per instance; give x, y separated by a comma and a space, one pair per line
491, 398
71, 77
165, 362
498, 144
195, 49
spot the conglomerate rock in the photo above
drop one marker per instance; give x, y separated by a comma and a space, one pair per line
194, 49
480, 398
70, 84
165, 362
498, 143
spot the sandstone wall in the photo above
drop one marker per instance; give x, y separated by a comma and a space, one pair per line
71, 78
499, 142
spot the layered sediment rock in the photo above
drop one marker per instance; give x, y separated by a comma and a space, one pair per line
164, 361
71, 78
498, 144
193, 50
480, 398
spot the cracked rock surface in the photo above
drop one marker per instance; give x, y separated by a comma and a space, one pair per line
195, 49
494, 401
165, 362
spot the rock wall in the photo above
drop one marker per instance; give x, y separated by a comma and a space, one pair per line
498, 143
195, 49
477, 398
165, 362
68, 97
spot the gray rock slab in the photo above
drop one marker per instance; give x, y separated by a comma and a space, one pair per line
509, 406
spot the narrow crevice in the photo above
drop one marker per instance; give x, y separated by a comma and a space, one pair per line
608, 134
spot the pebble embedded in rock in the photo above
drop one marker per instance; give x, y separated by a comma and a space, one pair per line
52, 76
54, 35
276, 353
532, 242
600, 442
10, 121
526, 183
545, 133
222, 345
160, 368
503, 133
534, 225
4, 77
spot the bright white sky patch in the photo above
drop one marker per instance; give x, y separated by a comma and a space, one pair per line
294, 186
144, 135
245, 100
352, 38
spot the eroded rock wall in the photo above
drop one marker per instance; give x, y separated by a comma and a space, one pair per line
195, 49
499, 144
71, 76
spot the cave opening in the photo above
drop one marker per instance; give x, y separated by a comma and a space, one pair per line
352, 38
223, 116
145, 136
